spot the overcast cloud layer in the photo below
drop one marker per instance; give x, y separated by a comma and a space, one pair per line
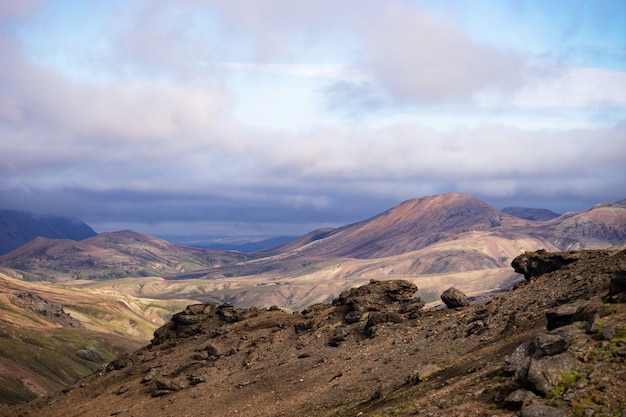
281, 116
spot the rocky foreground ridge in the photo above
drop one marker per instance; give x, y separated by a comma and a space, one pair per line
554, 346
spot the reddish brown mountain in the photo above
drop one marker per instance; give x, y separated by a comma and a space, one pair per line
442, 233
409, 226
112, 255
601, 226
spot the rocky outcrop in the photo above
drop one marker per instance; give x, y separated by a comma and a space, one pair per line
47, 308
377, 295
454, 298
534, 264
617, 286
380, 301
538, 364
188, 322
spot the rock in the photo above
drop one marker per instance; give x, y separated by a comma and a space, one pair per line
376, 295
520, 398
534, 264
562, 315
539, 410
590, 309
545, 373
617, 286
44, 307
517, 363
90, 353
454, 298
538, 363
549, 344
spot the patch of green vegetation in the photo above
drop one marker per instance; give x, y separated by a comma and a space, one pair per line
29, 276
13, 392
567, 379
577, 408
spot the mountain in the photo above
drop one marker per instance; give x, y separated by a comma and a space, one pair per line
554, 346
420, 223
111, 255
17, 228
535, 214
602, 226
407, 227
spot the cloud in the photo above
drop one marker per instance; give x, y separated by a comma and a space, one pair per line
153, 139
417, 58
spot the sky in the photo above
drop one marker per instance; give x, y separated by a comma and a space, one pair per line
278, 117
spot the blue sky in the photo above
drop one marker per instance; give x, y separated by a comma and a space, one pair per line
282, 116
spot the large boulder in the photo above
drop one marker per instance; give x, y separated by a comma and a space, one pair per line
534, 264
539, 363
454, 298
392, 297
377, 295
617, 286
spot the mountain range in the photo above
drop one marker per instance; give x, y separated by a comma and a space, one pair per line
445, 238
116, 288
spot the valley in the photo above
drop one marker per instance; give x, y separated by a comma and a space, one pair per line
117, 288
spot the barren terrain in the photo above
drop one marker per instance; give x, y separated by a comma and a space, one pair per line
374, 352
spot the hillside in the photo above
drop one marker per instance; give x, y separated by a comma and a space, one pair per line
18, 228
553, 346
53, 335
601, 226
111, 255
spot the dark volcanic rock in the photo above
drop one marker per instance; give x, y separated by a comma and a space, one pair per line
454, 298
617, 286
377, 295
519, 398
393, 297
534, 264
538, 363
546, 372
90, 353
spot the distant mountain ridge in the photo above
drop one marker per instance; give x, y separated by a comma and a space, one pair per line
240, 244
19, 227
535, 214
112, 255
422, 222
439, 235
